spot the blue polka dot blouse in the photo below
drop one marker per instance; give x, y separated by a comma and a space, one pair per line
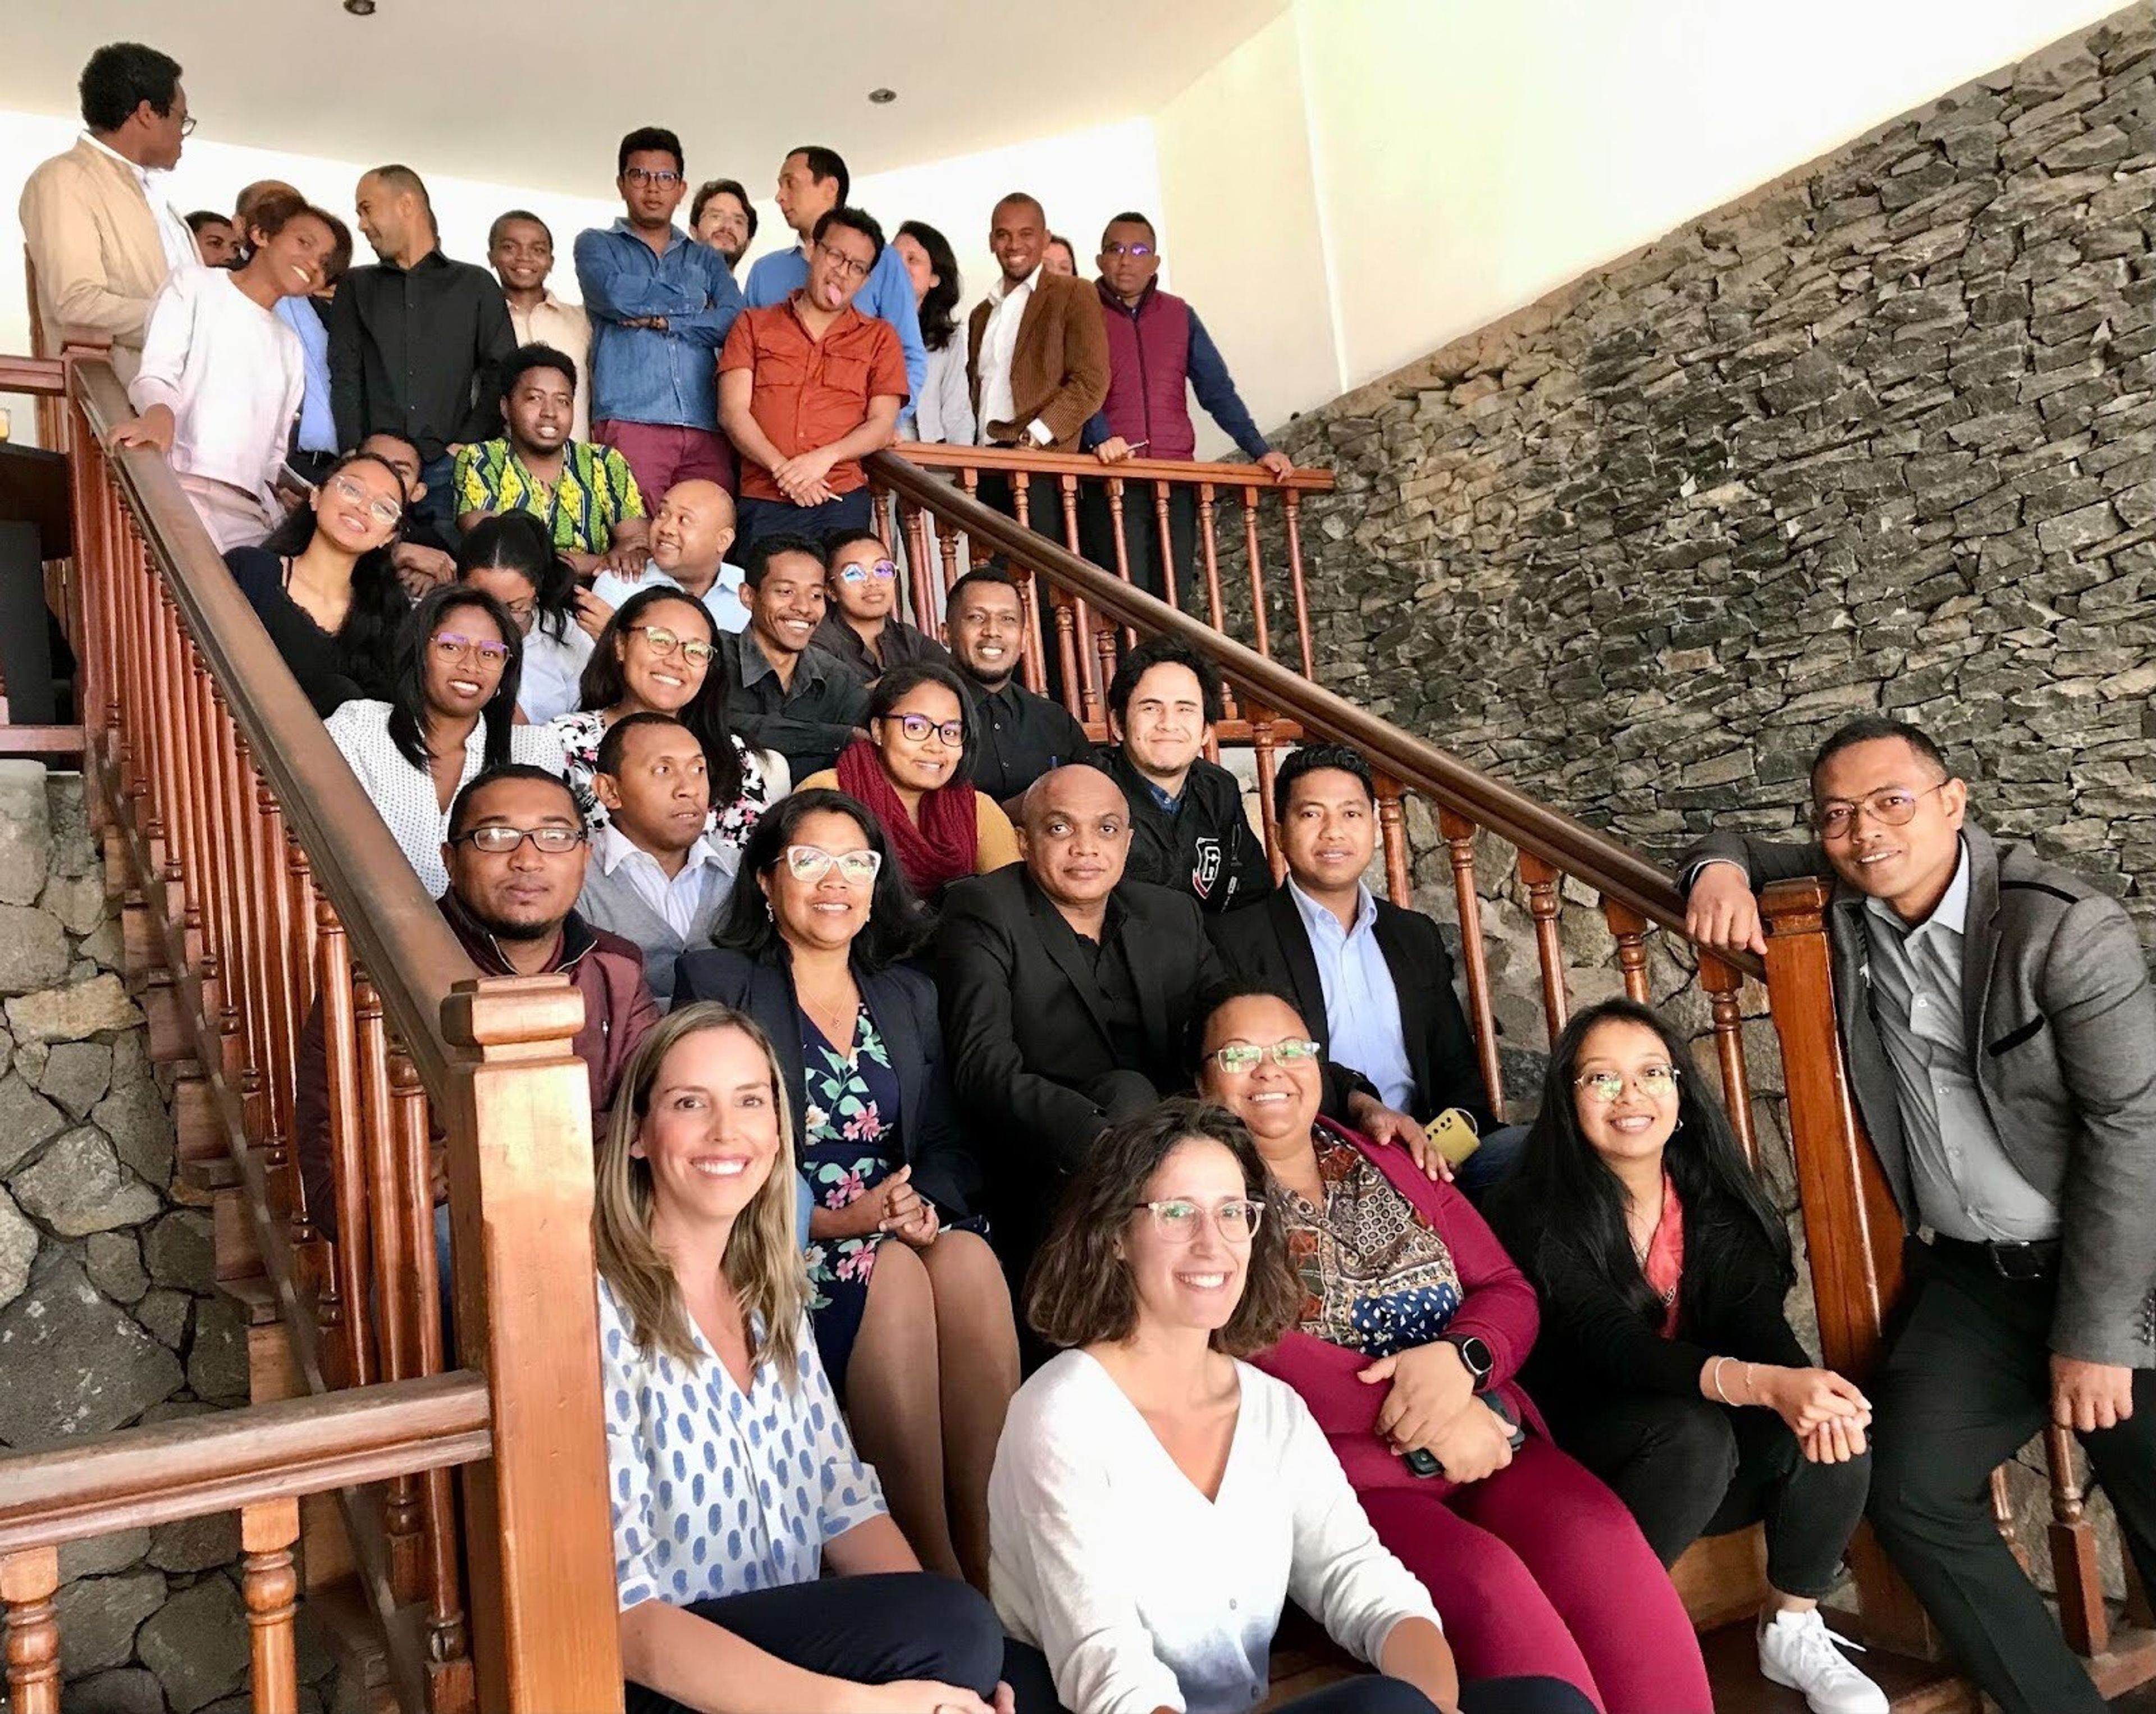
716, 1491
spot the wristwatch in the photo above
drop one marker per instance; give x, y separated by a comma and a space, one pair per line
1476, 1355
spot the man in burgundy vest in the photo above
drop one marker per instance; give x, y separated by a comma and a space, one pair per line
1157, 350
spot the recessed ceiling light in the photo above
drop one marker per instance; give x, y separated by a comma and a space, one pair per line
360, 8
882, 98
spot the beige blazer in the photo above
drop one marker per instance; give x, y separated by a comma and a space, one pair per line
94, 251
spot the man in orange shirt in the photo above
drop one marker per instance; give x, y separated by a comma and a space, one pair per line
809, 387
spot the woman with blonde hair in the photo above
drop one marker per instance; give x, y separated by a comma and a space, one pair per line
729, 1471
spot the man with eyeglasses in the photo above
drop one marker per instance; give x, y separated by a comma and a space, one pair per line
1069, 992
101, 234
2001, 1037
862, 624
1158, 352
723, 217
812, 182
809, 387
660, 305
516, 854
782, 692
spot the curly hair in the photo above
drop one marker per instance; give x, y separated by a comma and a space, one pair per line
1079, 1290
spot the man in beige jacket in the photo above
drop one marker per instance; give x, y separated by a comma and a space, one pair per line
100, 234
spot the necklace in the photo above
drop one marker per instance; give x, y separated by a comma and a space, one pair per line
1640, 1251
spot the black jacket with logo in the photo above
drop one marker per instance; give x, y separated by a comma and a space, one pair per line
1204, 848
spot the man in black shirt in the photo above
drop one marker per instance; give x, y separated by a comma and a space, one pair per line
415, 339
783, 693
1017, 736
1188, 830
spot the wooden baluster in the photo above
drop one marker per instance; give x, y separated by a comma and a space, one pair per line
1393, 835
1104, 641
1543, 904
1208, 540
1629, 928
393, 1268
2082, 1614
1083, 620
1261, 622
1292, 504
1067, 649
1172, 570
206, 886
1021, 494
280, 954
251, 897
962, 546
159, 666
1725, 985
269, 1585
1458, 833
1067, 489
1034, 661
28, 1580
1853, 1232
1114, 484
297, 910
921, 570
344, 1295
2002, 1517
1262, 746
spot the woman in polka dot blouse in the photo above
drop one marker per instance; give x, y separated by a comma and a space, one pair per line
731, 1474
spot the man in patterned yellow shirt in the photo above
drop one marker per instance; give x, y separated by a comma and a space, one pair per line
584, 493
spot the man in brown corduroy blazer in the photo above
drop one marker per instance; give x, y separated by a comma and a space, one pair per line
1037, 382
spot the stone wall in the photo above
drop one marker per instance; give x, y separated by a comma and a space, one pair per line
1878, 436
108, 1316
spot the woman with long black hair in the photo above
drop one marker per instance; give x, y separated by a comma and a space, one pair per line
450, 715
509, 555
1666, 1364
324, 585
945, 410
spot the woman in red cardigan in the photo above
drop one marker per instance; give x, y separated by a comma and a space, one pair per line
1414, 1322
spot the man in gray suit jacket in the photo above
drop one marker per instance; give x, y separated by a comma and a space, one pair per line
655, 877
2001, 1037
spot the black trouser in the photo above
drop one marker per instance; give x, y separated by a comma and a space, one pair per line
1142, 543
1493, 1696
1966, 1383
878, 1631
1686, 1468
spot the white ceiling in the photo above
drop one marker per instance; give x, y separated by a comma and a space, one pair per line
538, 92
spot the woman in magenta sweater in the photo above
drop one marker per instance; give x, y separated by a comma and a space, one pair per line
1414, 1322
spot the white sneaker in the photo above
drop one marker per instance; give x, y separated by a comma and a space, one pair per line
1798, 1652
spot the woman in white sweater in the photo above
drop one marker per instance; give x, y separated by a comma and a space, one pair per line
1156, 1500
222, 377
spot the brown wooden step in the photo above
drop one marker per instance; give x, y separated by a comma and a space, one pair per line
349, 1626
255, 1297
210, 1173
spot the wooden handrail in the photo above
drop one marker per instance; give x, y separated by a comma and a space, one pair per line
397, 931
203, 1466
937, 455
1614, 871
44, 376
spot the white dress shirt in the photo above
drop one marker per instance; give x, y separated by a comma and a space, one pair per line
404, 795
232, 374
568, 330
1145, 1595
1361, 1001
722, 600
173, 232
998, 340
672, 898
553, 670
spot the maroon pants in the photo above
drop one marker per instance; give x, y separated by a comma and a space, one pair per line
660, 454
1540, 1570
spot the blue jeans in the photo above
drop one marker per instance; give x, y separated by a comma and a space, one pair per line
1492, 1163
769, 517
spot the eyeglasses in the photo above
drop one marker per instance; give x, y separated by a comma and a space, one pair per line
522, 612
451, 645
641, 176
188, 126
1893, 807
352, 494
1655, 1082
846, 265
500, 841
882, 570
1245, 1055
918, 726
813, 863
661, 641
1179, 1222
1139, 251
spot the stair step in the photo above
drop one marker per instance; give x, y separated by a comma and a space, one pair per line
211, 1173
355, 1642
255, 1297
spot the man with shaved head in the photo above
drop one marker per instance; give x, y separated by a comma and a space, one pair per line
416, 341
690, 536
1068, 997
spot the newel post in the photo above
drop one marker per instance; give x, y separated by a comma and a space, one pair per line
1853, 1232
520, 1164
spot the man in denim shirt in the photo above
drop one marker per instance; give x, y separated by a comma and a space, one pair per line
660, 305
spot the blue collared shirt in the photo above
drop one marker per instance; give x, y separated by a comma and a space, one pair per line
887, 292
317, 424
1361, 1005
642, 374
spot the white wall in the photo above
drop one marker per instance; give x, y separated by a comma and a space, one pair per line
1468, 157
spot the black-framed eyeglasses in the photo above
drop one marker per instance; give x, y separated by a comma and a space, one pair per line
851, 267
188, 126
1179, 1220
1895, 806
497, 840
642, 175
918, 726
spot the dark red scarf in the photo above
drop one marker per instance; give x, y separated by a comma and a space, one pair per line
946, 844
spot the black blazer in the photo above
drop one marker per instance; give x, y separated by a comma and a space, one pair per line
902, 1000
1267, 942
1594, 1345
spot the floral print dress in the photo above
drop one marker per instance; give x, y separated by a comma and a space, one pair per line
849, 1144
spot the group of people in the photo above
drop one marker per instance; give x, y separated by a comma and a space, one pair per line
1012, 1197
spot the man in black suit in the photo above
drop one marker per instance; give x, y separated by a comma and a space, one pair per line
1373, 981
1067, 997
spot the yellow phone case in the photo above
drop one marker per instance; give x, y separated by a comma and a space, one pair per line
1453, 1134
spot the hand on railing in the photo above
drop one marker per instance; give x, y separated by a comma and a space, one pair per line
1721, 913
